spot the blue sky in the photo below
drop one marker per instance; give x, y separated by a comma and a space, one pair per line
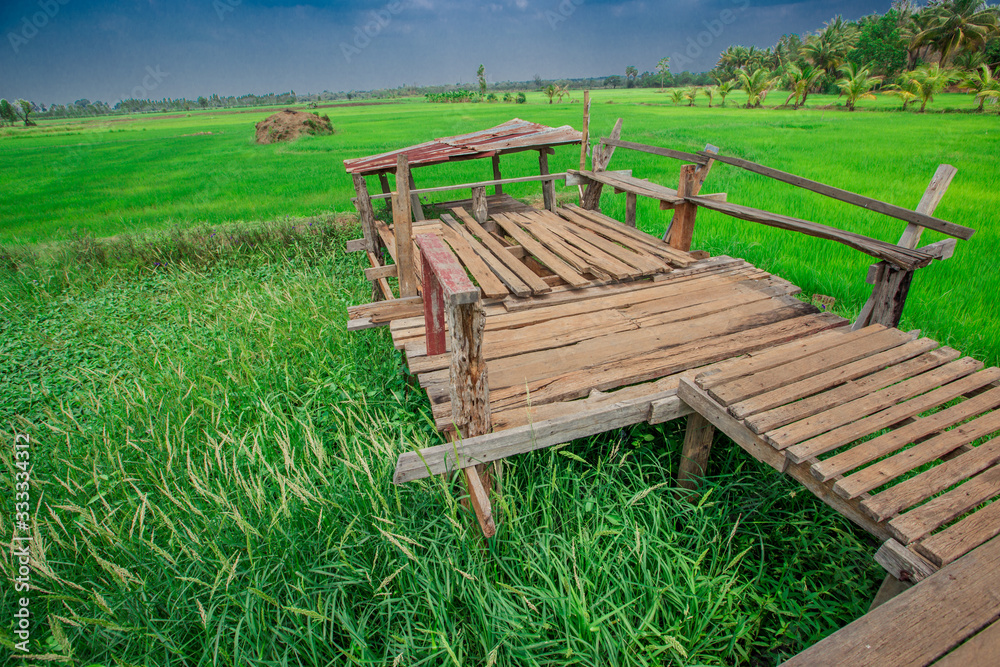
63, 50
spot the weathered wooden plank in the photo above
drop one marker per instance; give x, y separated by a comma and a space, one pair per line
920, 522
928, 202
468, 186
902, 563
982, 649
509, 278
402, 230
897, 498
480, 208
526, 275
909, 215
497, 176
594, 256
902, 257
548, 187
488, 281
852, 390
357, 245
646, 242
695, 451
363, 203
954, 542
656, 150
645, 264
384, 311
943, 611
457, 287
543, 254
831, 378
377, 272
839, 426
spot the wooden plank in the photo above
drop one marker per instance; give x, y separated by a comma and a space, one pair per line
498, 188
384, 311
890, 502
468, 186
548, 187
868, 203
636, 262
928, 202
852, 390
954, 542
357, 245
540, 252
644, 248
480, 500
913, 457
656, 150
377, 272
594, 256
825, 380
903, 564
835, 428
366, 214
939, 614
681, 230
509, 278
920, 522
418, 210
902, 257
649, 243
480, 209
806, 367
458, 289
982, 649
630, 202
487, 280
526, 275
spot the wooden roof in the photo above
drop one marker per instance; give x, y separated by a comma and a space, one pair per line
510, 137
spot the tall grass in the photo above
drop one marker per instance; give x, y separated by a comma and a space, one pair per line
212, 470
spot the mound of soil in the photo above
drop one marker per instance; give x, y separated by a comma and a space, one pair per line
288, 125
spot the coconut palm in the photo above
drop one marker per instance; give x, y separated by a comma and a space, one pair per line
979, 81
550, 92
904, 88
928, 80
857, 84
828, 49
800, 81
757, 84
726, 87
690, 94
631, 73
676, 96
710, 92
958, 25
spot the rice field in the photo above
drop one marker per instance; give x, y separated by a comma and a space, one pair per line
213, 452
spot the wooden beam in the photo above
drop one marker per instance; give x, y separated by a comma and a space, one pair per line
479, 206
377, 272
548, 187
403, 230
602, 156
357, 245
681, 230
695, 452
909, 215
383, 180
902, 257
468, 186
363, 203
902, 563
928, 202
498, 188
418, 210
630, 201
656, 150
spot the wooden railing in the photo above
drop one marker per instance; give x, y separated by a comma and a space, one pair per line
890, 278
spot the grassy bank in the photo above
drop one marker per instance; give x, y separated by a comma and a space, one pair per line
212, 466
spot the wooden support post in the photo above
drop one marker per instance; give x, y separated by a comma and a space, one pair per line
418, 210
630, 200
696, 450
602, 156
681, 231
383, 180
548, 187
470, 390
366, 213
434, 324
480, 209
498, 188
892, 284
402, 226
586, 138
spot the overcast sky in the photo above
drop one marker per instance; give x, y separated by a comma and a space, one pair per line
63, 50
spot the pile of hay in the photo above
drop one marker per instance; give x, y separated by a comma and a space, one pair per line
288, 125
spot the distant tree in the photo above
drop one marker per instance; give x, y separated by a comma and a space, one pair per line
690, 94
857, 84
538, 82
726, 87
23, 109
550, 92
929, 80
710, 92
958, 25
880, 46
630, 75
981, 82
757, 84
676, 96
829, 47
613, 81
481, 75
7, 114
969, 61
203, 101
800, 80
663, 68
562, 91
521, 98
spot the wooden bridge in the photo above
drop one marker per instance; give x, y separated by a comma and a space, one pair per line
532, 327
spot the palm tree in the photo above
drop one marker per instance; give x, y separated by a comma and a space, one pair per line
690, 94
676, 96
928, 80
561, 92
958, 25
726, 87
828, 49
800, 81
710, 92
663, 67
979, 81
757, 84
631, 73
904, 88
857, 84
550, 92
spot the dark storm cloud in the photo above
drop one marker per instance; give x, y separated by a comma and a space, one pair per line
61, 50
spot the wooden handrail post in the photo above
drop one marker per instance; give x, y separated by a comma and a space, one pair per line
682, 226
548, 187
366, 213
498, 188
602, 156
445, 280
402, 225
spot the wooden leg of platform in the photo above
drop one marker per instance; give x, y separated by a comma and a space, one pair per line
890, 588
479, 483
696, 450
